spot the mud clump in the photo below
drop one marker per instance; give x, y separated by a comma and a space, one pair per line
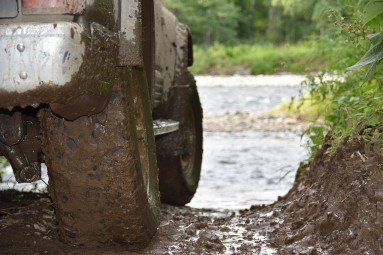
210, 241
337, 207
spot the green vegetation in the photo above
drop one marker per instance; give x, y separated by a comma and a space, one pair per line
262, 36
353, 108
255, 21
303, 108
211, 21
268, 36
257, 59
3, 164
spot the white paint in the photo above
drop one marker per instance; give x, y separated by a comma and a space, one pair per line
129, 19
51, 54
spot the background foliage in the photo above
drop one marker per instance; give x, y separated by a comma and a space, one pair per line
268, 36
354, 105
274, 21
256, 59
3, 164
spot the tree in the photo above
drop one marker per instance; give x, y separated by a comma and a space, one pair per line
210, 20
253, 19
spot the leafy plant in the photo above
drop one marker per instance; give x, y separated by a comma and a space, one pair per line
257, 58
354, 106
211, 21
3, 164
372, 10
372, 57
316, 135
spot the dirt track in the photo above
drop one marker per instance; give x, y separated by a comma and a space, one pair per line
28, 223
337, 208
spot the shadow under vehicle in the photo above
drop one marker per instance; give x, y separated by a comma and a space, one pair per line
99, 90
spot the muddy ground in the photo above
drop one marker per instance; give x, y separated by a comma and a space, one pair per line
335, 208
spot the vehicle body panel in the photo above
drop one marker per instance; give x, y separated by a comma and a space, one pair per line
8, 9
55, 7
60, 64
78, 84
39, 53
67, 61
172, 47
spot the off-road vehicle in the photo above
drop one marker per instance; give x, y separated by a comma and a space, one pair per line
80, 85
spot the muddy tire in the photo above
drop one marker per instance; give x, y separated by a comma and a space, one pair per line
102, 192
179, 154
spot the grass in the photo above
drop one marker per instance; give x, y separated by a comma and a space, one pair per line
309, 110
256, 59
304, 109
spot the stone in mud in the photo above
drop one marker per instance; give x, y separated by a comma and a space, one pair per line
210, 241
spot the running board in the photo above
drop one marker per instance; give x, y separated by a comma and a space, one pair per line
163, 126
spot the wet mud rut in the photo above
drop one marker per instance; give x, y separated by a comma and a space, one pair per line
28, 226
335, 208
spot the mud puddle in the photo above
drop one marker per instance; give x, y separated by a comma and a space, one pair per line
28, 222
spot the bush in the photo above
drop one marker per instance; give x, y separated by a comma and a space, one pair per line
256, 59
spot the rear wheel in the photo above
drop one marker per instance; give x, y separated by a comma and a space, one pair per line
179, 154
103, 184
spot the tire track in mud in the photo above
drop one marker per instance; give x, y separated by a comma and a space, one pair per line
28, 222
336, 208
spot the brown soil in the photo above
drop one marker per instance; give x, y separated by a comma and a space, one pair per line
28, 226
336, 208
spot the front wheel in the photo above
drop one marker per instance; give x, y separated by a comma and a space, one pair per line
102, 192
179, 154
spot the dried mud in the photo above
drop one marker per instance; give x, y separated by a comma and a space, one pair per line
335, 208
